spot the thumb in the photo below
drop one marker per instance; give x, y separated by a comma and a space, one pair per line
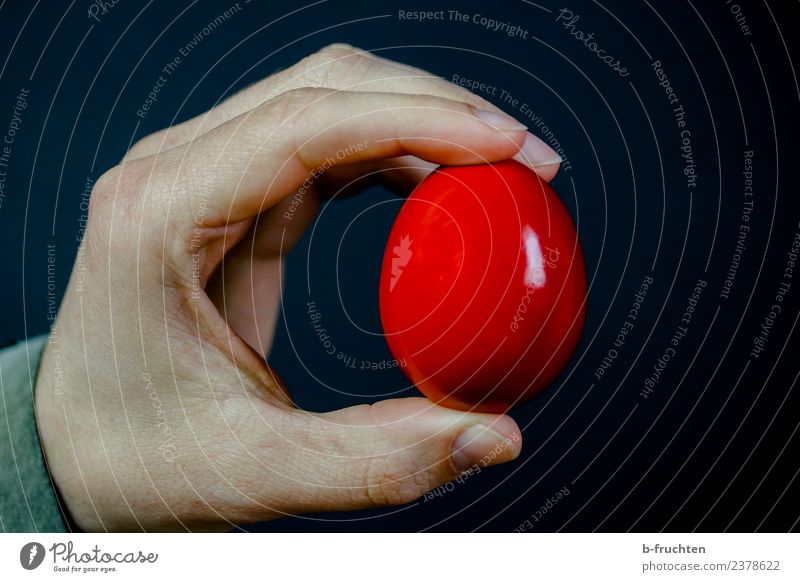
394, 451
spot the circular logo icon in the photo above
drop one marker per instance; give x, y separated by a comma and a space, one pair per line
31, 555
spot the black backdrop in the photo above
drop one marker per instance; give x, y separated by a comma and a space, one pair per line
712, 447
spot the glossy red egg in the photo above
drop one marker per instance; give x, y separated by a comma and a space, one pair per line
483, 286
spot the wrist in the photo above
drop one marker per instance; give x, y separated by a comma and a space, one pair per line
54, 436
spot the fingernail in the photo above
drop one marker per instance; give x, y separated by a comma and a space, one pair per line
481, 446
535, 152
499, 121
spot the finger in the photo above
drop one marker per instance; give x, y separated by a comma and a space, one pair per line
343, 67
535, 153
393, 452
256, 160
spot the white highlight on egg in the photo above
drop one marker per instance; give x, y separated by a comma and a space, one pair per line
534, 270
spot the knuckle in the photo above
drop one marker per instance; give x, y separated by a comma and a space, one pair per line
143, 147
154, 143
390, 480
98, 221
337, 64
105, 189
300, 97
291, 102
336, 50
116, 196
287, 109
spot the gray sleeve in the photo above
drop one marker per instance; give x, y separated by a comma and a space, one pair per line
28, 500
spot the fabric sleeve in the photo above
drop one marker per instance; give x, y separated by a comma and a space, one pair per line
28, 500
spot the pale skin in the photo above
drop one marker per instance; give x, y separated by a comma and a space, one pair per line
156, 408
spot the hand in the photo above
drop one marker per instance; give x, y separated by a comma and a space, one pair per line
156, 408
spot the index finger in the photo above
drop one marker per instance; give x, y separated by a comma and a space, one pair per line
343, 67
251, 162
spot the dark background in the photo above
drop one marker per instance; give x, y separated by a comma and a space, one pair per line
713, 448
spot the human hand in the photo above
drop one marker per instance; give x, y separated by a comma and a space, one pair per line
156, 408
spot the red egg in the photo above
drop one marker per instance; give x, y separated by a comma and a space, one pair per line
483, 286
